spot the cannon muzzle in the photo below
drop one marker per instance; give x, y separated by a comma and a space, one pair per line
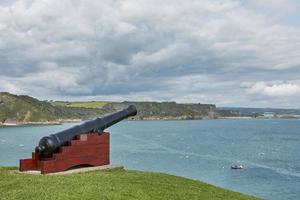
49, 144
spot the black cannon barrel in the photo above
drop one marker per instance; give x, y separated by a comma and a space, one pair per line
49, 144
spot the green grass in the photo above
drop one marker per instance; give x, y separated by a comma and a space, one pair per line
108, 184
79, 104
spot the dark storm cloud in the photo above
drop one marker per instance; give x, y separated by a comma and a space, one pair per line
196, 51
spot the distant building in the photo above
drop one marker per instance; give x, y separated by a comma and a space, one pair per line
269, 115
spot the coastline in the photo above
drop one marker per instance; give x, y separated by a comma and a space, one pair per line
60, 122
236, 118
47, 123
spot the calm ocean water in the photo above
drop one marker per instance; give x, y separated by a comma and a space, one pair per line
203, 150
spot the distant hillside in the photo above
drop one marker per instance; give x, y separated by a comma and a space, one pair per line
168, 110
151, 110
23, 109
26, 109
261, 112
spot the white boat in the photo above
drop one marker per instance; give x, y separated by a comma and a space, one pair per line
239, 166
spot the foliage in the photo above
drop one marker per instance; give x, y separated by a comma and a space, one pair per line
171, 110
24, 108
27, 109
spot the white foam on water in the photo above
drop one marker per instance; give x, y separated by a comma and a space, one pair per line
278, 170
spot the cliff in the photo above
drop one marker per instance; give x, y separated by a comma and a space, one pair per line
168, 110
22, 109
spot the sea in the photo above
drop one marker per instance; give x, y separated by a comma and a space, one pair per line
269, 150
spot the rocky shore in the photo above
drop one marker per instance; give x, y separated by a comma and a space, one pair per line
39, 123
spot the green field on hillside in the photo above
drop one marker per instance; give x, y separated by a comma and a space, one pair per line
81, 104
109, 184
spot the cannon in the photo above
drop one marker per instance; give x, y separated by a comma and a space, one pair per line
49, 144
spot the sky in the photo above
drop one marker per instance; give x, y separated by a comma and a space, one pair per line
226, 52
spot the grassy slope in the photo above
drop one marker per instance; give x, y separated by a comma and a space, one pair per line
115, 184
27, 109
80, 104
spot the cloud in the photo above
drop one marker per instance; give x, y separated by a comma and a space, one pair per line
287, 6
6, 85
188, 51
275, 90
